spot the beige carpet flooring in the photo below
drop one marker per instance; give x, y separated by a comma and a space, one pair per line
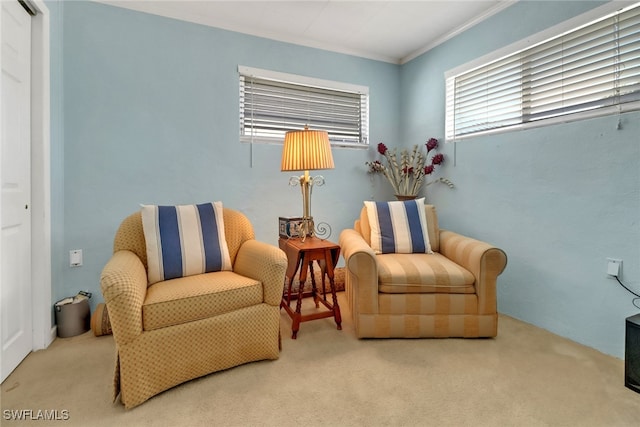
524, 377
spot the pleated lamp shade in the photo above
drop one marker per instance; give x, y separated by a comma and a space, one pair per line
306, 150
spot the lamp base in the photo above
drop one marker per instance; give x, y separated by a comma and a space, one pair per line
306, 182
307, 228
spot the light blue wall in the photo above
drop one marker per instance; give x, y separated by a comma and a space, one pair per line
147, 112
559, 199
144, 110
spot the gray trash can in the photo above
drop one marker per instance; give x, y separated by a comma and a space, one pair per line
73, 318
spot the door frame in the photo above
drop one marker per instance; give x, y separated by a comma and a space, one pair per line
43, 331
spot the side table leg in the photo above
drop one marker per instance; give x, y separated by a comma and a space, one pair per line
314, 289
332, 285
302, 279
295, 326
336, 307
323, 271
287, 293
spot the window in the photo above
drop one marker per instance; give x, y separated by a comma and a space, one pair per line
591, 70
273, 103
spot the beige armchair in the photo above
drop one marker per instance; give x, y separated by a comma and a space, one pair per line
450, 293
180, 329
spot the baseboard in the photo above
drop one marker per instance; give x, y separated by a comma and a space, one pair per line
53, 334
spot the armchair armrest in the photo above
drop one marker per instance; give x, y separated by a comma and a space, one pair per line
483, 260
266, 263
124, 286
361, 271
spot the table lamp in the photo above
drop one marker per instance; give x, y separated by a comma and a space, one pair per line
306, 150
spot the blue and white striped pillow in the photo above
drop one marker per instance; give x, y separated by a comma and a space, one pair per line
398, 227
184, 240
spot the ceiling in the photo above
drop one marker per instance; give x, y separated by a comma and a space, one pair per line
393, 31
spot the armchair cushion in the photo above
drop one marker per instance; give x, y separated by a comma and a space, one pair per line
187, 299
398, 227
184, 240
422, 273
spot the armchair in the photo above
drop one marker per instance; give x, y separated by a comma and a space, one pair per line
176, 330
449, 293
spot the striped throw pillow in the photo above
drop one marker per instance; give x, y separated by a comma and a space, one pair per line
184, 240
398, 227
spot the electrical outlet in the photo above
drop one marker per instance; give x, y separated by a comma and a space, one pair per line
75, 258
614, 266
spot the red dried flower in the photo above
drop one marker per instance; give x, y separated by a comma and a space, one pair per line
407, 171
428, 170
382, 148
437, 159
432, 144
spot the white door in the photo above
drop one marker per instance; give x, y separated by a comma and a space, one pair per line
15, 213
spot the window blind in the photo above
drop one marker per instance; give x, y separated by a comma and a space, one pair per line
589, 68
269, 108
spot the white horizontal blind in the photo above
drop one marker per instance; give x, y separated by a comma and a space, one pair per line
589, 68
269, 108
488, 97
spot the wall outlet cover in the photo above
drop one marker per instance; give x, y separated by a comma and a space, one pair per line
75, 258
613, 266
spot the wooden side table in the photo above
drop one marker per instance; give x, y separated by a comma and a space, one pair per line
301, 255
